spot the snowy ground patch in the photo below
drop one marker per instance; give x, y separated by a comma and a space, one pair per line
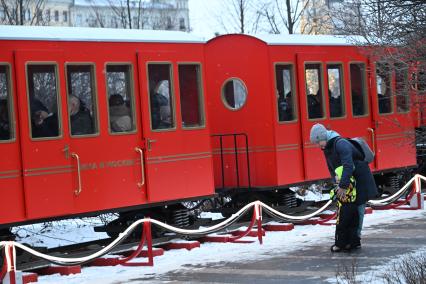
211, 254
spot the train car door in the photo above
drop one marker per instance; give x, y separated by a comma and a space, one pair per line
394, 129
103, 130
312, 110
13, 205
177, 146
48, 170
333, 93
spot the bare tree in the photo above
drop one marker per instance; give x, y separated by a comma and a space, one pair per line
397, 30
283, 16
240, 16
22, 12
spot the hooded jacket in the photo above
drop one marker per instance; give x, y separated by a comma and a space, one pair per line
340, 152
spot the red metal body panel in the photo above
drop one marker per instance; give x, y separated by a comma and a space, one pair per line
246, 58
12, 193
394, 132
288, 137
179, 165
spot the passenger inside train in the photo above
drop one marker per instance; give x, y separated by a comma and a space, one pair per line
119, 114
160, 108
4, 120
80, 118
285, 108
43, 122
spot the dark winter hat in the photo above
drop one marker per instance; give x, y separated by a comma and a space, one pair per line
318, 133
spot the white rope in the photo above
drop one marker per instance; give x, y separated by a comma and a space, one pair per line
125, 233
296, 218
234, 217
390, 199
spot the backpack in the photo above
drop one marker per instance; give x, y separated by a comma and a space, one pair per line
363, 147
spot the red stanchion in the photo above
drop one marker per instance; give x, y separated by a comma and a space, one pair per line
146, 237
258, 209
325, 220
239, 235
10, 275
4, 267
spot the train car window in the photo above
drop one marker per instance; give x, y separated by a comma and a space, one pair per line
6, 119
190, 95
120, 99
384, 92
81, 100
43, 100
285, 92
314, 91
336, 97
420, 80
358, 92
160, 96
234, 94
401, 87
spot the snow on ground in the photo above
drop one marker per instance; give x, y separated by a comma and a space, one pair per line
375, 274
61, 233
209, 254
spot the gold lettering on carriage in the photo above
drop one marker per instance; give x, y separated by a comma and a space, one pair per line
107, 164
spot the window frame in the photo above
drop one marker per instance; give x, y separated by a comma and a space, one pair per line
11, 108
200, 97
364, 88
222, 93
342, 75
407, 81
55, 64
392, 106
293, 91
321, 75
94, 99
133, 100
172, 95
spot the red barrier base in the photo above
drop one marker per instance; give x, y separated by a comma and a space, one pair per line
62, 270
186, 245
144, 253
279, 227
155, 252
326, 215
104, 262
29, 278
215, 239
368, 210
252, 233
223, 239
314, 221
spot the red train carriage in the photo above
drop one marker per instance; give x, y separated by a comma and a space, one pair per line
53, 164
97, 120
274, 88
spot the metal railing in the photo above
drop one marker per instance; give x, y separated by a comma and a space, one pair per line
235, 135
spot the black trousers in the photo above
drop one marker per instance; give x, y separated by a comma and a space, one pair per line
347, 225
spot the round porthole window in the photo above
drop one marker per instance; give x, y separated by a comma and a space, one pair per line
234, 94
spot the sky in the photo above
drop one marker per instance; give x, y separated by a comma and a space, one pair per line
203, 17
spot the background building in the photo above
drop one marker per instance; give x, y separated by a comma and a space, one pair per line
135, 14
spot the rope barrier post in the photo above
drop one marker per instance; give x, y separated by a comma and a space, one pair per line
11, 274
148, 236
258, 210
420, 199
4, 265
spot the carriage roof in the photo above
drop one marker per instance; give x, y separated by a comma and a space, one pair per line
48, 33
